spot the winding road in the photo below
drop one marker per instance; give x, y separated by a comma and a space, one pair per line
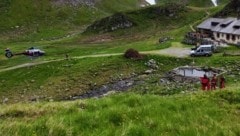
172, 51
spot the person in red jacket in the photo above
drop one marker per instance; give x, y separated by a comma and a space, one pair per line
222, 82
205, 82
213, 82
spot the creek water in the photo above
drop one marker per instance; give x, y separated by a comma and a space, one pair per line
192, 72
117, 86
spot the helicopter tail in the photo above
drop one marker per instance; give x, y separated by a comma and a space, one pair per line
8, 53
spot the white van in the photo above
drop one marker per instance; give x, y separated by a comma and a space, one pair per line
202, 50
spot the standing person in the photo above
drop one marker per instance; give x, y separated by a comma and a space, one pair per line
205, 82
213, 82
66, 56
222, 82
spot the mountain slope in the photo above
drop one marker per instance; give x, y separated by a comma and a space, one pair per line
231, 9
25, 20
138, 18
46, 19
27, 12
194, 3
139, 24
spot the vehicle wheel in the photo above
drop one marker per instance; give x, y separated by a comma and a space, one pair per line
8, 54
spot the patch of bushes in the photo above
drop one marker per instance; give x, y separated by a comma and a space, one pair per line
132, 54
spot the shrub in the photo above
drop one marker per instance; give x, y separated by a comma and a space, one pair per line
132, 54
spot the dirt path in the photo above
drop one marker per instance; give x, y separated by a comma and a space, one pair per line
27, 65
49, 61
172, 51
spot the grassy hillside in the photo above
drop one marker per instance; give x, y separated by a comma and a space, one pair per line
63, 79
231, 9
40, 20
151, 24
194, 3
112, 6
20, 12
209, 113
206, 3
147, 22
33, 98
44, 20
49, 21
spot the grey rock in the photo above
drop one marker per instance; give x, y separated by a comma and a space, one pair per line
150, 71
32, 81
5, 100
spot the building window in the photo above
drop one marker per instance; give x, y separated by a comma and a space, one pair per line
228, 36
233, 37
218, 35
222, 35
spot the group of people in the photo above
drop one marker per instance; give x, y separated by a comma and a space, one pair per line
211, 84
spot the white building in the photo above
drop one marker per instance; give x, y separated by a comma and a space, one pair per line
222, 29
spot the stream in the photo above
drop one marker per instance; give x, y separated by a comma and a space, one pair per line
104, 90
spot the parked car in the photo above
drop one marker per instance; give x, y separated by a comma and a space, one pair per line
202, 50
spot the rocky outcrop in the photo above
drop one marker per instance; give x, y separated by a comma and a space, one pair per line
74, 2
112, 23
128, 19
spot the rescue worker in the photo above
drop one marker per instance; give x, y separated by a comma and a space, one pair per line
205, 82
222, 82
213, 82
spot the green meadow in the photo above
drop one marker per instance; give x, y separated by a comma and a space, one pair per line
34, 92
